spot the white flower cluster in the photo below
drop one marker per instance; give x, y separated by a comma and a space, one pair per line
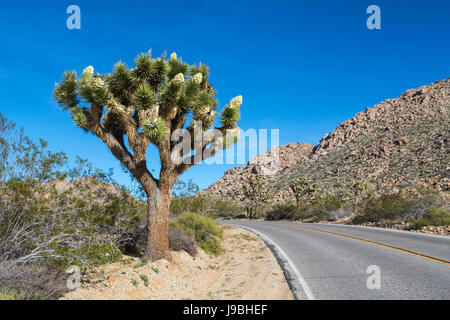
198, 78
179, 78
236, 102
98, 83
89, 70
173, 56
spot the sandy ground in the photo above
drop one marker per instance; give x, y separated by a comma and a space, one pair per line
245, 270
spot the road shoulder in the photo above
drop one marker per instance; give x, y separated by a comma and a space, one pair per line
246, 270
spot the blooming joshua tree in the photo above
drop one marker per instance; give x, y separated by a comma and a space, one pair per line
160, 101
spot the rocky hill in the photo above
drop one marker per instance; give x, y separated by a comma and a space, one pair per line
230, 185
399, 145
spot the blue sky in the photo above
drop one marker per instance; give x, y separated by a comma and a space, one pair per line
302, 66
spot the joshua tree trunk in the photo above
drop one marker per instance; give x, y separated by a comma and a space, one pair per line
255, 212
158, 227
158, 201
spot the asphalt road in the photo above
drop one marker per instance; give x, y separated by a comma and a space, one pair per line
331, 261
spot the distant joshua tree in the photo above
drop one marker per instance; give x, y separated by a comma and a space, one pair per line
257, 192
130, 109
303, 189
356, 191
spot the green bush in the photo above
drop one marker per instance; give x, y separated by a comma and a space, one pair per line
317, 210
388, 208
285, 211
434, 217
205, 206
320, 208
21, 293
12, 294
197, 204
227, 208
205, 231
88, 255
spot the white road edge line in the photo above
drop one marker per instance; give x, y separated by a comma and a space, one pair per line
300, 279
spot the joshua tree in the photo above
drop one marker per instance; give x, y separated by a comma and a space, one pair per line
357, 190
130, 109
303, 189
257, 191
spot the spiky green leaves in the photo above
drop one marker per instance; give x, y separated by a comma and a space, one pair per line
230, 115
207, 118
65, 93
143, 70
176, 66
120, 83
190, 91
172, 86
158, 72
143, 97
205, 101
170, 94
205, 109
200, 69
155, 129
79, 117
92, 88
100, 92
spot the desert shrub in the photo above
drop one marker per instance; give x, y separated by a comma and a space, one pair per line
144, 279
185, 198
53, 215
285, 211
63, 222
434, 217
7, 294
340, 213
320, 208
206, 206
30, 282
205, 231
72, 227
196, 204
178, 240
227, 208
391, 208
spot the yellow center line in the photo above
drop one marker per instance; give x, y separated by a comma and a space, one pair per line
422, 255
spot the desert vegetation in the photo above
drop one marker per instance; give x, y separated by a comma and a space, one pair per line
186, 199
55, 214
353, 204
